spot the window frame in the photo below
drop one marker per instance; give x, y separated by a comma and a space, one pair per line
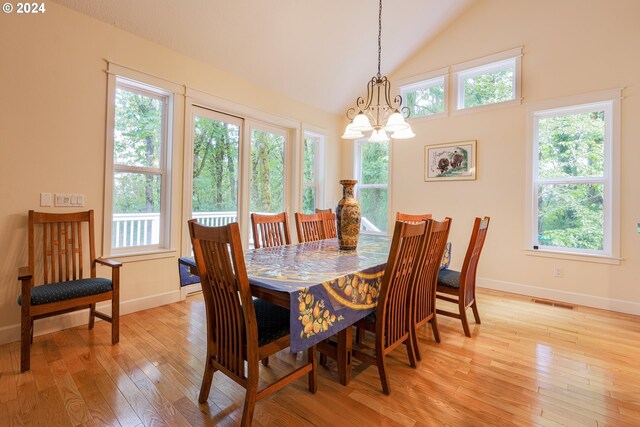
318, 167
609, 102
357, 171
485, 65
121, 77
425, 81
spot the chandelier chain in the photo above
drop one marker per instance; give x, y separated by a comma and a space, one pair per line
379, 36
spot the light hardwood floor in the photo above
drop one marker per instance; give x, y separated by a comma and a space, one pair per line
527, 364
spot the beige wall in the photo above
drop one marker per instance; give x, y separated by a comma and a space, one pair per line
52, 133
571, 47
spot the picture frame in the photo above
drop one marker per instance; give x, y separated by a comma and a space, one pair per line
452, 161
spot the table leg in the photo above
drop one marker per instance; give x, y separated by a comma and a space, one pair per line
345, 343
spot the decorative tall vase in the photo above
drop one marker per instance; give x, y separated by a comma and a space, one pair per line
348, 216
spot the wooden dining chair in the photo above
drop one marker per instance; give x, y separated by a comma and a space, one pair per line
329, 219
270, 230
360, 333
59, 245
412, 217
390, 321
239, 328
310, 227
459, 287
318, 210
423, 294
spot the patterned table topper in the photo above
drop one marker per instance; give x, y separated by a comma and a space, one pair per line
330, 289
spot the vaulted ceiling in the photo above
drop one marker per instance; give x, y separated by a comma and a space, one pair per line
320, 52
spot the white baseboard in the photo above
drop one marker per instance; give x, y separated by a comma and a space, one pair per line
189, 289
611, 304
69, 320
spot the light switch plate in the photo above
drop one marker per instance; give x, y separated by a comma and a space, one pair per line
69, 200
46, 199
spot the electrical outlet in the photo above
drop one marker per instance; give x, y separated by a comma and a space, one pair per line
557, 271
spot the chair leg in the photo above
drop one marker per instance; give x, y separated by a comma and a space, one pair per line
207, 379
382, 370
265, 361
115, 320
92, 315
25, 345
313, 375
360, 335
31, 331
413, 336
465, 323
434, 327
323, 359
411, 352
476, 315
250, 401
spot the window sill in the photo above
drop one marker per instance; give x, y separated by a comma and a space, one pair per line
128, 257
599, 259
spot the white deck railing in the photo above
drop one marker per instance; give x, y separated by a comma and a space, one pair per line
140, 229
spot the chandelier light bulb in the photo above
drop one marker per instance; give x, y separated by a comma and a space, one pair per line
403, 134
361, 123
379, 135
350, 133
396, 123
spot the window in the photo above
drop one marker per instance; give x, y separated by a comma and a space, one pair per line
372, 190
574, 199
267, 172
216, 171
139, 175
426, 97
491, 80
312, 179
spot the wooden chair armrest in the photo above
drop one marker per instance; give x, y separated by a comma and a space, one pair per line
24, 274
109, 262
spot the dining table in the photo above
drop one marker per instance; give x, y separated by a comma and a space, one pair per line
325, 288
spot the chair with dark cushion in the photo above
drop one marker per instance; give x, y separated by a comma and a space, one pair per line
390, 321
241, 330
459, 287
270, 230
424, 289
59, 245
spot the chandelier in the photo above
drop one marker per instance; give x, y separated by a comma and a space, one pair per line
378, 113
